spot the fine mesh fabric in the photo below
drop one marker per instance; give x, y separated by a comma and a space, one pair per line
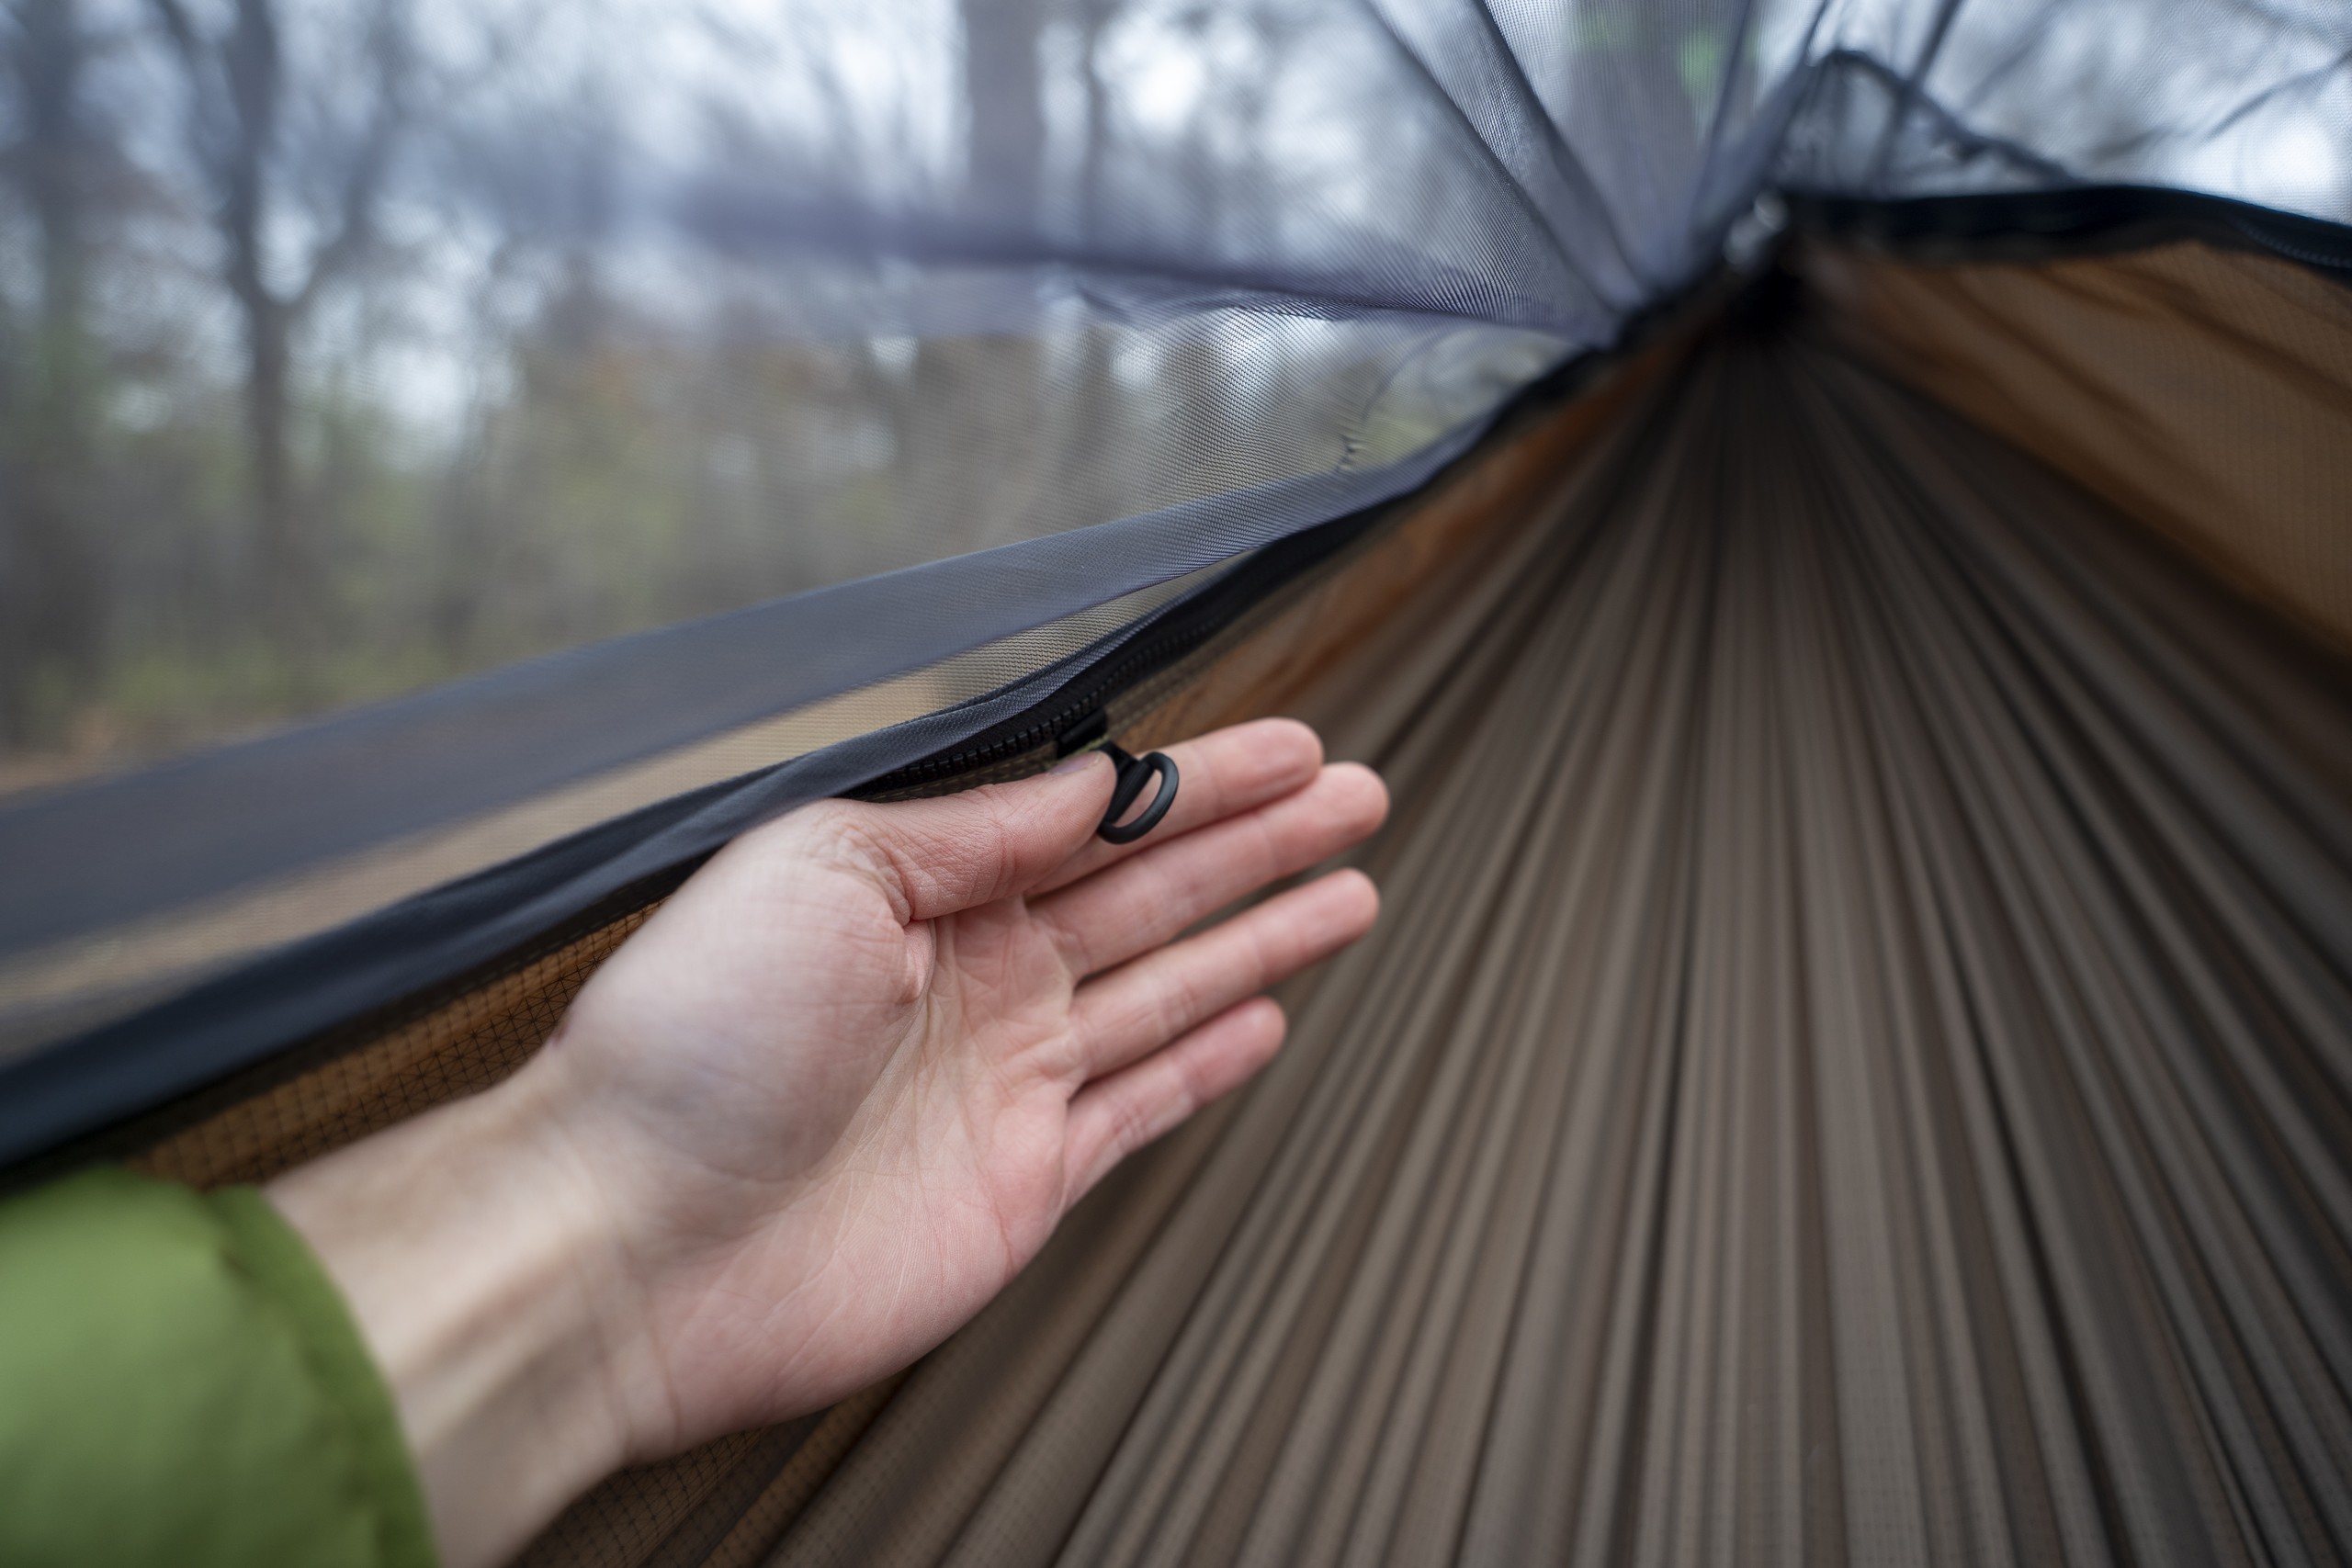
2016, 95
71, 984
676, 311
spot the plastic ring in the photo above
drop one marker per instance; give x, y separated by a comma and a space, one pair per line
1132, 773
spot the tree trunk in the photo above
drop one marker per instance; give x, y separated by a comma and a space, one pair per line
1006, 153
969, 461
1094, 413
49, 600
250, 56
276, 531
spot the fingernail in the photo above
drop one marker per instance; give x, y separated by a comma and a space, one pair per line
1075, 760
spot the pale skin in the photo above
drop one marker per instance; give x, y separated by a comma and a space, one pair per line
808, 1120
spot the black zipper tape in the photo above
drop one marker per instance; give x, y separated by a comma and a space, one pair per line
2036, 225
1076, 715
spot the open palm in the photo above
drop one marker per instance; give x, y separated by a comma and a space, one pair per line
845, 1084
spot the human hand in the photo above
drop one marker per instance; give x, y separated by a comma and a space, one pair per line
812, 1116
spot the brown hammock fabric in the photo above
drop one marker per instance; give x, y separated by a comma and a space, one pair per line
1854, 1069
2205, 392
1855, 1065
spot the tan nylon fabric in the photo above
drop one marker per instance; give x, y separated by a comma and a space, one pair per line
1854, 1069
2206, 392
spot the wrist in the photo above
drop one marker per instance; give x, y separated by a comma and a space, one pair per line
475, 1256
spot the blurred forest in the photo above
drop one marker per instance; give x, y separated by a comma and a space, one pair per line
350, 345
331, 365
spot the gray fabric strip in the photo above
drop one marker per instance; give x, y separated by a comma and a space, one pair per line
91, 857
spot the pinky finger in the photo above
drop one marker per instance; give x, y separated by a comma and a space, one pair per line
1114, 1116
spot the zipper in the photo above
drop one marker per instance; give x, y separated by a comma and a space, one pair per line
1068, 717
1076, 716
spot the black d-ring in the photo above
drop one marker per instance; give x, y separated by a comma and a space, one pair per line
1134, 773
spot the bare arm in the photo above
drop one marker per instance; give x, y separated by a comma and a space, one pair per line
806, 1123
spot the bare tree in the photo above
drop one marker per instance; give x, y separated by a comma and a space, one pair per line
972, 419
49, 587
1094, 414
237, 85
1003, 97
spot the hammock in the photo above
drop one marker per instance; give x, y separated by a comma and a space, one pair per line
1857, 1062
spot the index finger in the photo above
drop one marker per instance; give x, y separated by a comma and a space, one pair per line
1224, 772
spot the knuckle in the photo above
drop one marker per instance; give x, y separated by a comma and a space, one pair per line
1001, 823
842, 833
1132, 1126
848, 834
1177, 1006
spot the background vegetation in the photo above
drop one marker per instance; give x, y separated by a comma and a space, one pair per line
338, 354
349, 345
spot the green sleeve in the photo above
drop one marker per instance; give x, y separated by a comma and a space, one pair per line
181, 1384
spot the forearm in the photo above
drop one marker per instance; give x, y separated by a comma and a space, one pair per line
470, 1246
813, 1115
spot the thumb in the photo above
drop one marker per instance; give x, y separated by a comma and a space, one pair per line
957, 852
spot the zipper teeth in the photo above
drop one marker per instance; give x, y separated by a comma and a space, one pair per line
2337, 258
1240, 591
1048, 728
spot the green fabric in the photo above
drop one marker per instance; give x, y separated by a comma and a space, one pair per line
181, 1384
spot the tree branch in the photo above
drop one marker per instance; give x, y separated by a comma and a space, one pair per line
355, 222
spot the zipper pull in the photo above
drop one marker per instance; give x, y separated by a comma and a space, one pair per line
1092, 733
1133, 774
